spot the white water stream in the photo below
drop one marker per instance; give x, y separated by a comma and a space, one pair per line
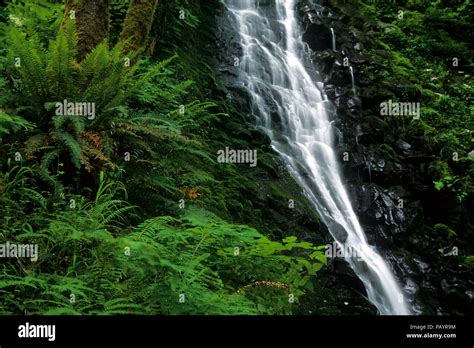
274, 74
333, 36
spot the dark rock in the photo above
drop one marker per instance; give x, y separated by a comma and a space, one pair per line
403, 145
423, 267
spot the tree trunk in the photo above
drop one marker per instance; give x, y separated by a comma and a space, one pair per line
138, 23
92, 23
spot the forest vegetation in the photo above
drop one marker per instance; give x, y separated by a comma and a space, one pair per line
130, 209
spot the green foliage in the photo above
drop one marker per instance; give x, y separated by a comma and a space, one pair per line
89, 263
454, 184
125, 96
40, 18
427, 57
110, 245
178, 17
118, 12
469, 262
444, 231
11, 124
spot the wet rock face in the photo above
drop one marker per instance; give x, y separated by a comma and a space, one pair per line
338, 283
227, 49
385, 174
383, 213
315, 26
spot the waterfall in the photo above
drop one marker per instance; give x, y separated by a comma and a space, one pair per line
273, 72
351, 69
333, 39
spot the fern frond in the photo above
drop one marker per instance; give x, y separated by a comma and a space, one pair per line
33, 144
76, 124
61, 62
32, 67
11, 124
49, 157
71, 145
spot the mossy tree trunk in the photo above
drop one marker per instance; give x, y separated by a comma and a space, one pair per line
92, 22
138, 23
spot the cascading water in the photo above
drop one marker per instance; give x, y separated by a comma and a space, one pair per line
333, 35
351, 69
273, 72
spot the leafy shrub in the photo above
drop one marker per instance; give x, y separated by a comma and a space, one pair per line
91, 263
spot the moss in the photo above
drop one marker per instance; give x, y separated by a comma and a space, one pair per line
386, 151
469, 262
138, 23
92, 23
444, 231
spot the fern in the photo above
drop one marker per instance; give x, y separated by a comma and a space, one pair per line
10, 124
49, 157
34, 144
61, 63
167, 258
32, 69
70, 143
